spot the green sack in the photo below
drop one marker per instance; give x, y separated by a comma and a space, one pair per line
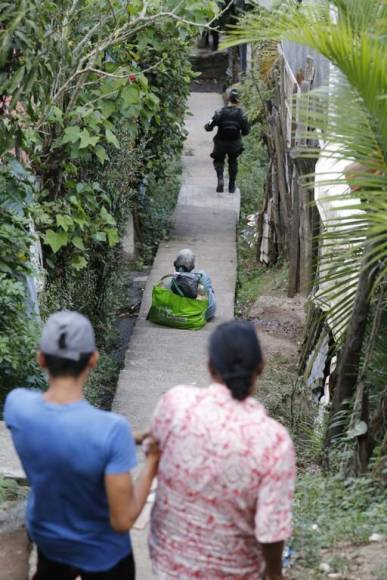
169, 309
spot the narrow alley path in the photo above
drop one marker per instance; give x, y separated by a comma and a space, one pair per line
159, 358
204, 221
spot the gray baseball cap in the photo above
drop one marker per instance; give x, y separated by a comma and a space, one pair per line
68, 335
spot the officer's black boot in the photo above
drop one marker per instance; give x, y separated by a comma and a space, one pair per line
220, 186
231, 185
232, 173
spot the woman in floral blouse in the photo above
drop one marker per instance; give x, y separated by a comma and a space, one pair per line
226, 474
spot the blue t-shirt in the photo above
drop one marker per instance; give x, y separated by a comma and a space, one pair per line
66, 450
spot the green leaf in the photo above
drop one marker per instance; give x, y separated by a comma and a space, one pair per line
78, 263
71, 135
152, 99
78, 243
112, 235
143, 81
64, 221
87, 139
107, 217
108, 108
82, 112
101, 153
111, 138
56, 115
82, 222
16, 80
100, 237
130, 95
56, 240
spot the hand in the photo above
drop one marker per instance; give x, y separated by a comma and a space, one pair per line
151, 448
140, 436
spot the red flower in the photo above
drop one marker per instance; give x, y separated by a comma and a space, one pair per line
132, 77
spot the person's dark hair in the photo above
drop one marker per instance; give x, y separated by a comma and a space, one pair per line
235, 354
233, 96
181, 269
65, 367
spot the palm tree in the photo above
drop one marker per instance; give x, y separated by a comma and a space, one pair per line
350, 116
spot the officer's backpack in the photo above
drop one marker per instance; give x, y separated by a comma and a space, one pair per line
229, 124
230, 131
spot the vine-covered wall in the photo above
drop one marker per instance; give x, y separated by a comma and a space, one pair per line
92, 104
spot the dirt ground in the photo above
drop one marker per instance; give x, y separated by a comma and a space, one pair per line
349, 562
280, 321
14, 555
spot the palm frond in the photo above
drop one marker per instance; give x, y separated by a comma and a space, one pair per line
349, 117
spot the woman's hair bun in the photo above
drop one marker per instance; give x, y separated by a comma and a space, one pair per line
235, 354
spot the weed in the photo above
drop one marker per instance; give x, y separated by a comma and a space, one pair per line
330, 510
101, 386
380, 572
275, 388
158, 208
339, 563
10, 490
252, 172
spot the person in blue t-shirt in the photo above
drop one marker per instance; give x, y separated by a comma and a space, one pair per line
77, 460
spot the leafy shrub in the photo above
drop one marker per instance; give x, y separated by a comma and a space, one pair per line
251, 178
18, 337
10, 490
101, 119
18, 332
158, 208
252, 172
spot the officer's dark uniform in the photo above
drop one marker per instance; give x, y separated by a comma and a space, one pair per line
232, 123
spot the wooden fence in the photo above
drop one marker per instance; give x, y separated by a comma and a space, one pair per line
288, 222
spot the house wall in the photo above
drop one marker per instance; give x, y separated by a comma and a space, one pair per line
296, 55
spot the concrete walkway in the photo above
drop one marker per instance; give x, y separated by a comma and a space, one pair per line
159, 358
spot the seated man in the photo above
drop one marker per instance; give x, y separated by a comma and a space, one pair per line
185, 265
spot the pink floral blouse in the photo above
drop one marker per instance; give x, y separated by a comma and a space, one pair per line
225, 483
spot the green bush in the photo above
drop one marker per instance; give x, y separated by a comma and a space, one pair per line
252, 172
104, 144
251, 179
18, 339
18, 332
158, 208
11, 491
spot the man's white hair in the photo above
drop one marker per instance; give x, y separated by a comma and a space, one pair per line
185, 259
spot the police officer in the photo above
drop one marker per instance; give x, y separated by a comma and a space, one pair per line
232, 123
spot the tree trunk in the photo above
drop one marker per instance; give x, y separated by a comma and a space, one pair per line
346, 374
294, 241
284, 199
